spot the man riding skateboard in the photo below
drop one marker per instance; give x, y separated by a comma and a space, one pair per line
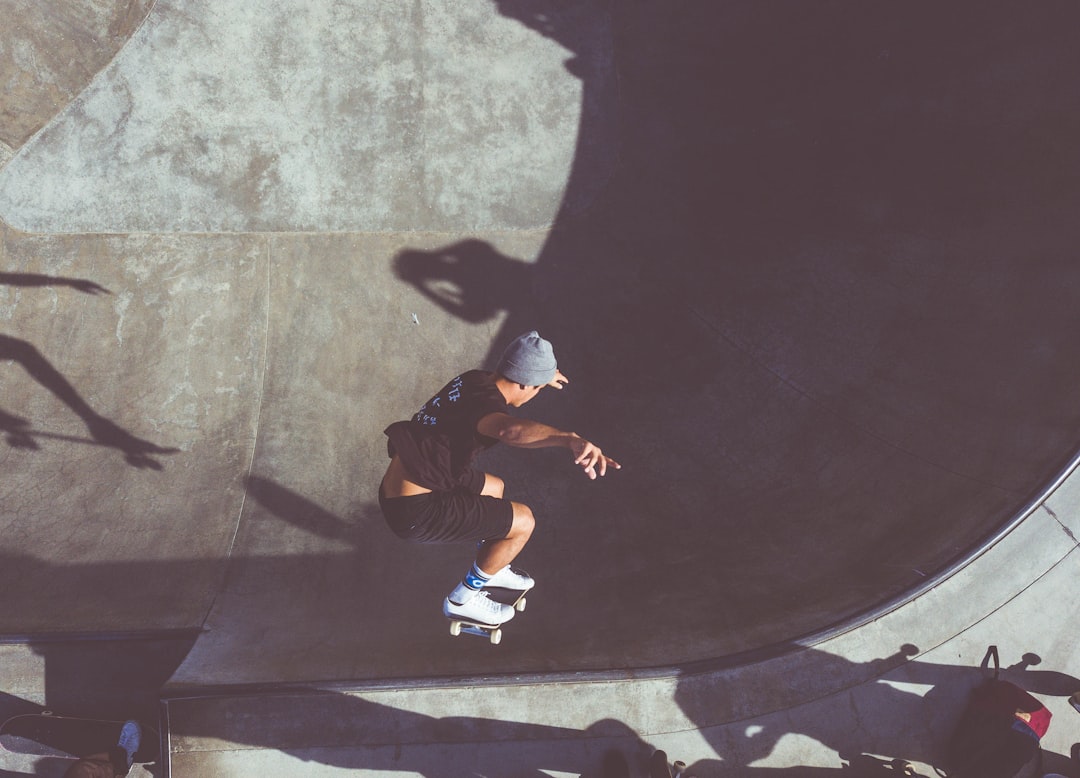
432, 494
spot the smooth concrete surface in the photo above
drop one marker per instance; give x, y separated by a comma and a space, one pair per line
823, 311
51, 51
892, 689
292, 115
810, 270
128, 401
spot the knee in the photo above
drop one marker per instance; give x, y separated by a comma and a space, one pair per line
524, 521
493, 486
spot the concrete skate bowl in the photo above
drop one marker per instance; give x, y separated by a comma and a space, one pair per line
811, 272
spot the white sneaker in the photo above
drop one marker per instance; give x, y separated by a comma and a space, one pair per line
480, 608
509, 578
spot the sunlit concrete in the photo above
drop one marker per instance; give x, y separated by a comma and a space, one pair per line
360, 116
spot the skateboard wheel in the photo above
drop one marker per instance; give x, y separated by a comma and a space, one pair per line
519, 606
455, 628
496, 636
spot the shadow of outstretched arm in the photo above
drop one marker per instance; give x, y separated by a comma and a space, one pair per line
35, 279
137, 452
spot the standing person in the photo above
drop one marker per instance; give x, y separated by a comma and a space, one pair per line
432, 494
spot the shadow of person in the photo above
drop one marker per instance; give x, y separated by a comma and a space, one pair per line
362, 734
299, 511
1049, 682
19, 433
807, 677
36, 279
876, 717
468, 279
103, 432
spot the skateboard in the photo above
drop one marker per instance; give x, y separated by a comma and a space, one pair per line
493, 632
47, 734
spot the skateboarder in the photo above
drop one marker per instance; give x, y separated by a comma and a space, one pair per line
432, 494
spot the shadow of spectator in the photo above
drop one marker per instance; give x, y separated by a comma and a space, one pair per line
871, 723
19, 432
359, 734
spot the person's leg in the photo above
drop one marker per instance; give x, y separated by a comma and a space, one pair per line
494, 555
505, 528
493, 486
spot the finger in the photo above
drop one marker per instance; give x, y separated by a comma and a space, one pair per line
606, 462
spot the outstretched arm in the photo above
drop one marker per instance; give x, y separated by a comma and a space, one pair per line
526, 433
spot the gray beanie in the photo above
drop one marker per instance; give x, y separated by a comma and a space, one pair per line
528, 360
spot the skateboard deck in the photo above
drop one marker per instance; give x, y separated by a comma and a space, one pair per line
47, 734
493, 632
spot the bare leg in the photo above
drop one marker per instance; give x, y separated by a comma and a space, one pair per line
493, 486
494, 555
497, 554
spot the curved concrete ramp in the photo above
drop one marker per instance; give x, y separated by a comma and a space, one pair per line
357, 116
849, 705
822, 310
51, 52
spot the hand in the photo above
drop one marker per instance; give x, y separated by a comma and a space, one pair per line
592, 459
559, 380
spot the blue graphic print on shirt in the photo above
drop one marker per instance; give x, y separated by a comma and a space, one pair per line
428, 415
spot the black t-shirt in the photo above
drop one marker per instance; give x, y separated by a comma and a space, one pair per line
440, 442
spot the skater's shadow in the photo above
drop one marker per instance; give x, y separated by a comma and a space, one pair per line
20, 433
469, 279
299, 511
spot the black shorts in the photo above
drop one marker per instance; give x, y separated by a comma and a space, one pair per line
459, 515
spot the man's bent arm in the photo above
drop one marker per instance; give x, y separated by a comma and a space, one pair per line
523, 433
526, 433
